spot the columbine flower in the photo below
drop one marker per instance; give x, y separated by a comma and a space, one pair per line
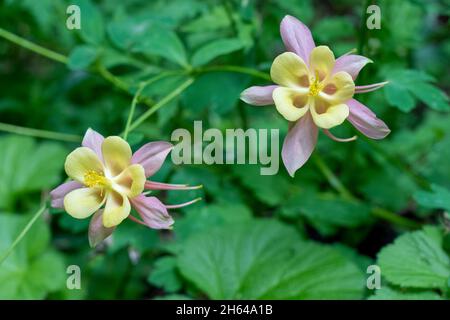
313, 90
107, 175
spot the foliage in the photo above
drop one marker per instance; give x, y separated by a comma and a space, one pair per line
252, 236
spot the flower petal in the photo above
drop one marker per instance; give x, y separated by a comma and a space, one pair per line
117, 209
290, 104
151, 156
363, 119
289, 70
116, 154
57, 195
153, 212
80, 161
97, 232
93, 140
131, 181
81, 203
351, 63
296, 37
258, 95
321, 62
299, 144
331, 116
339, 88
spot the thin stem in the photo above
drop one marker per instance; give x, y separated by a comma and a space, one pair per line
23, 232
381, 213
236, 69
39, 133
160, 104
32, 46
132, 109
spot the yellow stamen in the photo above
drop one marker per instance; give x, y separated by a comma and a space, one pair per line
315, 86
93, 178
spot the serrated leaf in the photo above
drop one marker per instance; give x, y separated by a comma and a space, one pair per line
437, 198
266, 260
165, 275
416, 260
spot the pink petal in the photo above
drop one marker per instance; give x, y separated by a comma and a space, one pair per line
299, 143
57, 195
153, 212
258, 95
93, 140
151, 156
297, 37
363, 119
97, 232
351, 63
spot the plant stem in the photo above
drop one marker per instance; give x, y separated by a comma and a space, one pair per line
39, 133
381, 213
132, 109
32, 46
23, 232
161, 103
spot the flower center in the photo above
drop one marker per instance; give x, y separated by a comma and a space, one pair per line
93, 178
315, 87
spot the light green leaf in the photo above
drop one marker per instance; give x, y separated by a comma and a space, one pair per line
19, 175
82, 57
416, 260
387, 293
266, 260
399, 96
92, 28
215, 49
437, 198
32, 270
165, 275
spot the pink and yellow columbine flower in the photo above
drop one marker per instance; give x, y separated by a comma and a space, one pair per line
314, 90
108, 180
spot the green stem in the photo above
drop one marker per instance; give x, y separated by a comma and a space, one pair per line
236, 69
160, 104
39, 133
23, 232
32, 46
380, 213
132, 109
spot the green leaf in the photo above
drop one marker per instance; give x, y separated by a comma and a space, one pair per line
387, 293
215, 49
437, 198
165, 275
266, 260
32, 270
82, 57
416, 260
19, 175
164, 43
92, 28
407, 85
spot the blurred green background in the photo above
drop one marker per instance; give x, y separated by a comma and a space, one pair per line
252, 237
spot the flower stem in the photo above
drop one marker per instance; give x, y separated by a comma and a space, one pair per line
23, 232
380, 213
132, 109
39, 133
161, 103
33, 47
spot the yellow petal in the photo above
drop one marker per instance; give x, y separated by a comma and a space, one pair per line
338, 89
80, 161
321, 62
289, 70
327, 117
131, 181
83, 202
289, 103
117, 208
116, 154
